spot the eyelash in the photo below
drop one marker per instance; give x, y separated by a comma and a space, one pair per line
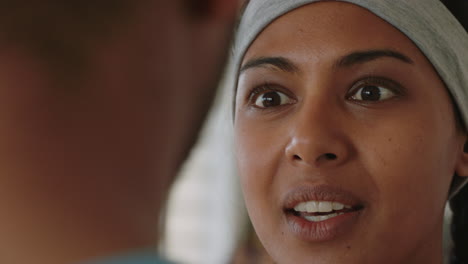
379, 81
259, 89
266, 87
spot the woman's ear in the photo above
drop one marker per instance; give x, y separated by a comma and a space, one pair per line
462, 164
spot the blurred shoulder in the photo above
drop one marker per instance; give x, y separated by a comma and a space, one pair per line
136, 258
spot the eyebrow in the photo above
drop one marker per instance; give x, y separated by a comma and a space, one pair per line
349, 60
360, 57
278, 62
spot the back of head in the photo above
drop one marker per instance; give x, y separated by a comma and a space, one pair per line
100, 103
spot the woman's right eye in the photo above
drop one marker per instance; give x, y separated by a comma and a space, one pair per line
270, 98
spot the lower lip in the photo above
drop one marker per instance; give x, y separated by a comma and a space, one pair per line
324, 230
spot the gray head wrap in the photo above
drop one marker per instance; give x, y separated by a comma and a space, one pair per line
427, 23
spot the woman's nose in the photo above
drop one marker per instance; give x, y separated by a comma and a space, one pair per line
318, 140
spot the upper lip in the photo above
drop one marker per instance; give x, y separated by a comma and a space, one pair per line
322, 192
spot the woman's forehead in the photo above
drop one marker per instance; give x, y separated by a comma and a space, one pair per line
328, 30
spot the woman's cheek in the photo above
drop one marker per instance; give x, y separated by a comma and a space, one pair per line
256, 149
408, 166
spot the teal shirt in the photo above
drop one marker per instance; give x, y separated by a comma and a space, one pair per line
134, 258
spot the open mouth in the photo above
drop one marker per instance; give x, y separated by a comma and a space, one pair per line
318, 211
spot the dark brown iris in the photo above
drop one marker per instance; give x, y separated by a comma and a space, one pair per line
370, 93
271, 99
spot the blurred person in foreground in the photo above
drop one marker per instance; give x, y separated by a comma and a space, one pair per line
100, 104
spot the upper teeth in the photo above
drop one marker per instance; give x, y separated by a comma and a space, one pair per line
319, 206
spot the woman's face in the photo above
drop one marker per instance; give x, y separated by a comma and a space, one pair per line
346, 140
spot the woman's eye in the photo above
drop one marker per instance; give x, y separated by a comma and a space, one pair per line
372, 93
271, 99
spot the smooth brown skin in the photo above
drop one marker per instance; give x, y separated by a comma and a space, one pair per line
398, 155
86, 161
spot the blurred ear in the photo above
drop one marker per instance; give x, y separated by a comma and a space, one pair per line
462, 165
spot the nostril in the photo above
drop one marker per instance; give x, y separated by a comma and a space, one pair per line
323, 157
296, 157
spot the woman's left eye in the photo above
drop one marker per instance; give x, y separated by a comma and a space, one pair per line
372, 93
